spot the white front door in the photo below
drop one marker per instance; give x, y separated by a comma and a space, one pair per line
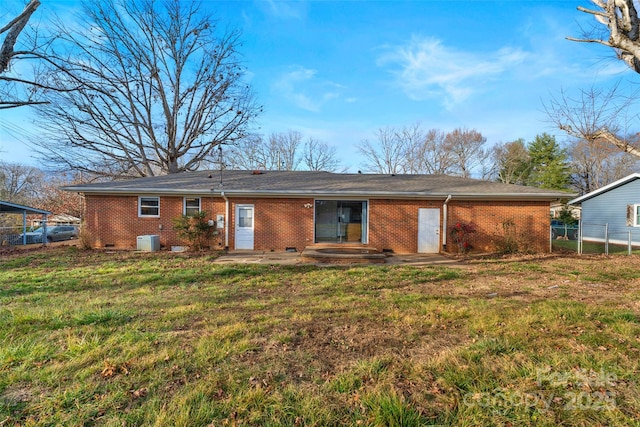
428, 231
244, 227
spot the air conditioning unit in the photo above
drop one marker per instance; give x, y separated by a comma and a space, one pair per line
149, 243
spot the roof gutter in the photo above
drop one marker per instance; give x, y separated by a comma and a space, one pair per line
226, 220
330, 194
444, 221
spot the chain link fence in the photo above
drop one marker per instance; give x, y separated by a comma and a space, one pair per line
594, 238
14, 236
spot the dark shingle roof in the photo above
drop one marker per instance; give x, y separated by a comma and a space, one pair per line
317, 184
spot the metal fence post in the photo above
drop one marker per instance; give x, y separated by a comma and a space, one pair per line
606, 239
24, 228
629, 243
580, 238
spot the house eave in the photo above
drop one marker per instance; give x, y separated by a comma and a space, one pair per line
215, 192
604, 189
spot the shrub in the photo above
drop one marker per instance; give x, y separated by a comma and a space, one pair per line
565, 215
509, 239
195, 229
85, 240
460, 235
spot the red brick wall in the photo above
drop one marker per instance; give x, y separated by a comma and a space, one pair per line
278, 223
112, 221
531, 221
281, 223
393, 224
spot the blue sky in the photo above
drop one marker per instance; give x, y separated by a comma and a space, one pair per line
340, 70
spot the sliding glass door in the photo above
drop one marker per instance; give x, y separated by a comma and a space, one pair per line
341, 221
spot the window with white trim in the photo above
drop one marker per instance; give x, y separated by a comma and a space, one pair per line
149, 206
636, 215
191, 206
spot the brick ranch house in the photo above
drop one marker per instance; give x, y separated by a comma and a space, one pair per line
282, 210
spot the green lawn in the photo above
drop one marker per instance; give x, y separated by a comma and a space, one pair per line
98, 338
592, 247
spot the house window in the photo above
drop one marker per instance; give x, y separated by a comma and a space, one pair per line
149, 206
636, 215
191, 206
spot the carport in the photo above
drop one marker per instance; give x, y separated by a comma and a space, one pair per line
12, 208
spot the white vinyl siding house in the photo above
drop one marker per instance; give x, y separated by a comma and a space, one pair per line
615, 206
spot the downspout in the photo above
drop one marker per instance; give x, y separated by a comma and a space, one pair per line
226, 220
444, 222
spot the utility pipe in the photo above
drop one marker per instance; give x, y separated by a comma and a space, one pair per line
444, 221
226, 220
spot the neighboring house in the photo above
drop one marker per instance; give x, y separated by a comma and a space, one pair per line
60, 219
280, 210
615, 208
556, 209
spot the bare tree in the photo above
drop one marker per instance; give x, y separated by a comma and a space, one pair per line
467, 149
283, 149
436, 159
279, 152
388, 156
412, 140
512, 162
51, 197
410, 150
596, 115
622, 32
249, 153
319, 156
425, 152
147, 88
595, 164
19, 183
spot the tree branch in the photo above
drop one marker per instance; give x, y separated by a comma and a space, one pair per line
620, 17
5, 105
14, 28
26, 13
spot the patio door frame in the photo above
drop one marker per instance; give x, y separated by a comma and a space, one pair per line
343, 228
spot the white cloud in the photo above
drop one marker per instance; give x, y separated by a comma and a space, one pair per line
425, 68
284, 9
304, 89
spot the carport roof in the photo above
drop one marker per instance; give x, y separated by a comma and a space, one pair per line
7, 207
